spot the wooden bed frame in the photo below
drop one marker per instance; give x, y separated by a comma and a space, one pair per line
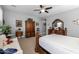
40, 49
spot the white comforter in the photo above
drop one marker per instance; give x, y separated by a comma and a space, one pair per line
59, 44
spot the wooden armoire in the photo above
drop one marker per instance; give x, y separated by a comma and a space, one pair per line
29, 28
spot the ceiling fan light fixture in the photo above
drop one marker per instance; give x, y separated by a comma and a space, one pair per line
42, 10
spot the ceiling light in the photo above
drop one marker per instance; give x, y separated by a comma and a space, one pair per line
42, 10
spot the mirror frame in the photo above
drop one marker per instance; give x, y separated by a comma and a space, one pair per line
57, 21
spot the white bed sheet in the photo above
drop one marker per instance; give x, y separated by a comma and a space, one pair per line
59, 44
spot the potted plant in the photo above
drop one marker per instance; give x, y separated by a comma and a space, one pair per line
5, 29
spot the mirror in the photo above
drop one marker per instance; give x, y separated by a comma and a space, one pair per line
58, 23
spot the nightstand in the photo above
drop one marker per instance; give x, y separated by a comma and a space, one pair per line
19, 33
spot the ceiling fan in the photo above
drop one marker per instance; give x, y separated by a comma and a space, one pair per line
43, 9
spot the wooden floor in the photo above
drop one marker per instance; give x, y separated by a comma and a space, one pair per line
28, 45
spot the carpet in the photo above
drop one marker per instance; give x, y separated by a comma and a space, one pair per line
28, 45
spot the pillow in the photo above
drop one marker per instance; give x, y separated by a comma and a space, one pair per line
10, 50
1, 51
5, 41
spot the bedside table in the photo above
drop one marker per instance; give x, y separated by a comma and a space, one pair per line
19, 33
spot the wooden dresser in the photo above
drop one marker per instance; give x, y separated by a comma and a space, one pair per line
49, 31
60, 31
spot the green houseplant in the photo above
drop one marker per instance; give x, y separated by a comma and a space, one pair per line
5, 29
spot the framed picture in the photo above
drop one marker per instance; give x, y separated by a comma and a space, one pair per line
18, 23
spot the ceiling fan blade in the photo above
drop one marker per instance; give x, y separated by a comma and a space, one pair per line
46, 11
48, 8
41, 6
36, 10
39, 12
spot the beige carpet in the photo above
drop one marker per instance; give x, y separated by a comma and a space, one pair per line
27, 45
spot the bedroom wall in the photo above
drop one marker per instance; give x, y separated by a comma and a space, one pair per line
1, 16
67, 17
43, 27
10, 18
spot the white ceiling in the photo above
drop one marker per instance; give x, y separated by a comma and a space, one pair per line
28, 9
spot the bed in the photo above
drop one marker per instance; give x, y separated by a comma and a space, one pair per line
59, 44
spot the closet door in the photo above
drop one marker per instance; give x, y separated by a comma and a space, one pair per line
29, 28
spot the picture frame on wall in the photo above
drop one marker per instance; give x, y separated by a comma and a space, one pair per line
18, 23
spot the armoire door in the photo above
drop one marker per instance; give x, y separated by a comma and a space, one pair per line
29, 28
